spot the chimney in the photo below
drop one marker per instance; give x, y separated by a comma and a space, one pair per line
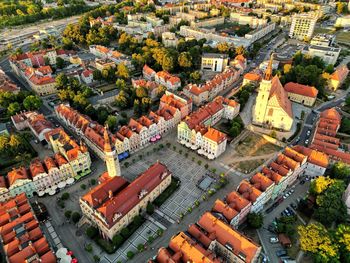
110, 194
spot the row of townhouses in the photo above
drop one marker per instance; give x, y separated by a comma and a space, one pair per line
163, 78
69, 162
113, 55
134, 136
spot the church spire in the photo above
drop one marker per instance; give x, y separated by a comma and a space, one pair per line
107, 145
268, 71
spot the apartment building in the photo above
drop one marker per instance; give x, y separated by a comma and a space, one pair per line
180, 102
209, 22
338, 77
243, 19
6, 84
169, 39
303, 26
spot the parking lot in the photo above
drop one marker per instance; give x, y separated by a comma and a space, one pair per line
265, 234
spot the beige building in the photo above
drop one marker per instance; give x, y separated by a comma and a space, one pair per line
272, 107
214, 62
303, 26
169, 39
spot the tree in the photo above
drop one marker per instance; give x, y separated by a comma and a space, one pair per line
61, 80
340, 170
91, 232
122, 71
125, 232
68, 214
196, 76
314, 238
32, 102
118, 240
97, 75
59, 62
150, 208
345, 125
13, 108
121, 85
121, 99
141, 92
319, 185
65, 196
76, 217
160, 91
241, 51
185, 60
130, 254
112, 122
223, 47
255, 220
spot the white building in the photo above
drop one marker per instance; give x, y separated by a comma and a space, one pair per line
214, 62
303, 26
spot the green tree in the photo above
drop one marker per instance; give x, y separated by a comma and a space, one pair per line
32, 102
76, 217
59, 62
121, 85
150, 208
112, 122
340, 170
97, 75
13, 108
68, 214
122, 99
130, 254
65, 196
223, 47
118, 240
141, 92
255, 220
61, 80
91, 232
195, 76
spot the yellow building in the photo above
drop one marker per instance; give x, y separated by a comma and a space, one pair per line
272, 108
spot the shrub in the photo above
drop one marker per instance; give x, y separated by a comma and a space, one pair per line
91, 232
61, 203
76, 217
68, 214
213, 170
206, 166
196, 203
186, 155
126, 164
174, 148
192, 159
88, 248
199, 162
160, 231
150, 239
130, 254
65, 196
83, 186
189, 209
168, 144
180, 152
105, 245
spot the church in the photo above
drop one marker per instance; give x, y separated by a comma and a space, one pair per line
272, 107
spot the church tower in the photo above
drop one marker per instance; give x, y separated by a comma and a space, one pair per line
263, 95
111, 159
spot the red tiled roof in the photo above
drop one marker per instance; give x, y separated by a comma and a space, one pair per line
340, 73
281, 96
215, 135
36, 167
17, 174
261, 182
300, 89
314, 157
248, 191
98, 195
149, 71
236, 201
272, 175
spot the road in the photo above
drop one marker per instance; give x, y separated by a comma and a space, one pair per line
264, 234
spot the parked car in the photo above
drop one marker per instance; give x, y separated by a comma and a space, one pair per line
306, 142
274, 240
281, 253
308, 132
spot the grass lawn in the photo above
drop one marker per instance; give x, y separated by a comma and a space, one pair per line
343, 37
255, 145
248, 166
321, 30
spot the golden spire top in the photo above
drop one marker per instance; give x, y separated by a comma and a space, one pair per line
268, 72
107, 145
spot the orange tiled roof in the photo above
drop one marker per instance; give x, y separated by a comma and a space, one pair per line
261, 182
281, 95
227, 236
17, 174
340, 73
149, 71
296, 156
236, 201
314, 157
228, 212
189, 251
271, 175
215, 135
300, 89
248, 191
36, 168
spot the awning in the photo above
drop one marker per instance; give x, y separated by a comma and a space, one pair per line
194, 147
188, 145
62, 252
211, 156
153, 139
41, 193
158, 137
54, 187
200, 151
52, 192
61, 184
47, 190
125, 154
70, 180
183, 142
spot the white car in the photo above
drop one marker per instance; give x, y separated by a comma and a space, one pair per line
274, 240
